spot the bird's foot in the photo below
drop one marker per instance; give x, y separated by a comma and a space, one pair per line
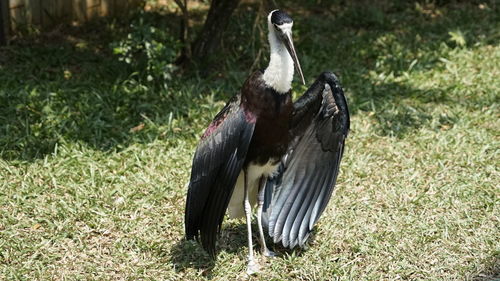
252, 267
268, 253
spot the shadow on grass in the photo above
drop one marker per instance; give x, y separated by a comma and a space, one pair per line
400, 110
233, 239
492, 271
70, 87
189, 254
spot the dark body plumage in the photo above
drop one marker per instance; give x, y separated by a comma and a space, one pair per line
260, 124
272, 111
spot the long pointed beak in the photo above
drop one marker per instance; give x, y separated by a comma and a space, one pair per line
291, 50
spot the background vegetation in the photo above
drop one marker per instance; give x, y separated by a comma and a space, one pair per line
98, 126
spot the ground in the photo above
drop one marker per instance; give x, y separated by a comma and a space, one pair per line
94, 159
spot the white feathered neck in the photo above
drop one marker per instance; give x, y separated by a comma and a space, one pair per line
279, 73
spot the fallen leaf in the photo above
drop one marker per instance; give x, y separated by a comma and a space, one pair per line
137, 128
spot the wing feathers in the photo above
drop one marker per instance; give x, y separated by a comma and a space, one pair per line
217, 162
302, 216
296, 197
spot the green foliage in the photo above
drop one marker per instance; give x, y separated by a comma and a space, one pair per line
457, 37
150, 50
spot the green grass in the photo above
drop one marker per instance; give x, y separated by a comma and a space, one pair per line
94, 160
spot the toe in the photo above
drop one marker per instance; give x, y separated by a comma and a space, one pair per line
252, 268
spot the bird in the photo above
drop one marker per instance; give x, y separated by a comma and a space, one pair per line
262, 148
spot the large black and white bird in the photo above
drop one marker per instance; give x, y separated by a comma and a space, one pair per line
263, 148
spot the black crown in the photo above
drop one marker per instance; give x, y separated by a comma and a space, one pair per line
279, 17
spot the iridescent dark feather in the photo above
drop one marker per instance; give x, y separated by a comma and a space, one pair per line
217, 162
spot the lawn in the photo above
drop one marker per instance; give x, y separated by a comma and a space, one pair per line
95, 157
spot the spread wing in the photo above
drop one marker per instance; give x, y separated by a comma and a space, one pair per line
298, 194
217, 162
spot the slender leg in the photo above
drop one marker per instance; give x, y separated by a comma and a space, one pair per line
252, 267
265, 251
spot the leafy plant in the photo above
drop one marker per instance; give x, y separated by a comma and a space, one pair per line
150, 51
458, 38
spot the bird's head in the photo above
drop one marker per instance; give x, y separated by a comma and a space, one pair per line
280, 27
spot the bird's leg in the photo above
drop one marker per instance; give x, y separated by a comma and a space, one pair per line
265, 251
252, 267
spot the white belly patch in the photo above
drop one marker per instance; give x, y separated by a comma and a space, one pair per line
255, 172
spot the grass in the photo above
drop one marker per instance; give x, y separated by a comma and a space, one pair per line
94, 160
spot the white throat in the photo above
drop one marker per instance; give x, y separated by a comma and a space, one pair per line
279, 73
